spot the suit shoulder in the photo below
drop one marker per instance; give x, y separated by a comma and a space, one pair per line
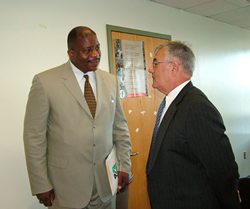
106, 75
196, 95
195, 99
53, 71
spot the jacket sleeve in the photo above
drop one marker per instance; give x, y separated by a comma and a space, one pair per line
35, 141
212, 146
121, 136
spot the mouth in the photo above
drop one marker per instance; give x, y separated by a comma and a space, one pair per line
94, 61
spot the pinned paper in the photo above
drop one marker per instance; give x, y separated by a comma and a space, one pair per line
137, 130
155, 112
130, 111
142, 112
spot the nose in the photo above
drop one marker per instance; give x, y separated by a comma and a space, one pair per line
94, 53
151, 70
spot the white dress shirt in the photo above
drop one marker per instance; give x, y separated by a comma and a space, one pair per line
81, 80
171, 96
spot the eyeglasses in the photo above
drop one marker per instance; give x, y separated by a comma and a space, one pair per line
154, 64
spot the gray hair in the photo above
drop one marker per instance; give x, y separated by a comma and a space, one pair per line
182, 52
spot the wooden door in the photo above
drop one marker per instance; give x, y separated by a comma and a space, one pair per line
141, 115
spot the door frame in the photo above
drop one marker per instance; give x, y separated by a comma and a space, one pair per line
151, 101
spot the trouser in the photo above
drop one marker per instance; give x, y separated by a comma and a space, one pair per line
95, 202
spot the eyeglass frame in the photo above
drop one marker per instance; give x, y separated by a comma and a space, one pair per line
154, 64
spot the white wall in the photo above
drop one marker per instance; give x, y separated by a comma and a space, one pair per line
33, 38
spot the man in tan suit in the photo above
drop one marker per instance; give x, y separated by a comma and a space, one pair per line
65, 144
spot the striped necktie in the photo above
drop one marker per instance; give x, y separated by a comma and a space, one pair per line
89, 96
158, 118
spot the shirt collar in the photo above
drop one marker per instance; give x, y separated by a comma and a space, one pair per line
79, 74
173, 94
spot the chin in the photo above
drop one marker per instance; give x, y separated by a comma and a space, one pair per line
93, 68
154, 86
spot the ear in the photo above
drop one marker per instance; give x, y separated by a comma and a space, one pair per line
175, 68
70, 53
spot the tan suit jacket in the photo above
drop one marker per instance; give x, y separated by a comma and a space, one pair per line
65, 147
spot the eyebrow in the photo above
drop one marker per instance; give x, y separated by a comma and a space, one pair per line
89, 47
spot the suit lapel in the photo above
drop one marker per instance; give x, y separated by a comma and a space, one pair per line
166, 121
72, 85
99, 90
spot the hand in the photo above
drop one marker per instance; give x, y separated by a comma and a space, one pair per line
123, 180
239, 196
46, 197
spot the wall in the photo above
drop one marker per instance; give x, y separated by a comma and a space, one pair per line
33, 38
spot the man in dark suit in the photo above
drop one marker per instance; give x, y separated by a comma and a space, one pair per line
67, 136
191, 164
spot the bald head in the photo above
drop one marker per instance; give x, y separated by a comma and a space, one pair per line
80, 31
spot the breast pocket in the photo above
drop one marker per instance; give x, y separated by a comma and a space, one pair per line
112, 106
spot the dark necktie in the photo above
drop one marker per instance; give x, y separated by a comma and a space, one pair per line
162, 105
89, 96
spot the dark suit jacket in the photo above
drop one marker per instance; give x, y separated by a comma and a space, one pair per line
193, 164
